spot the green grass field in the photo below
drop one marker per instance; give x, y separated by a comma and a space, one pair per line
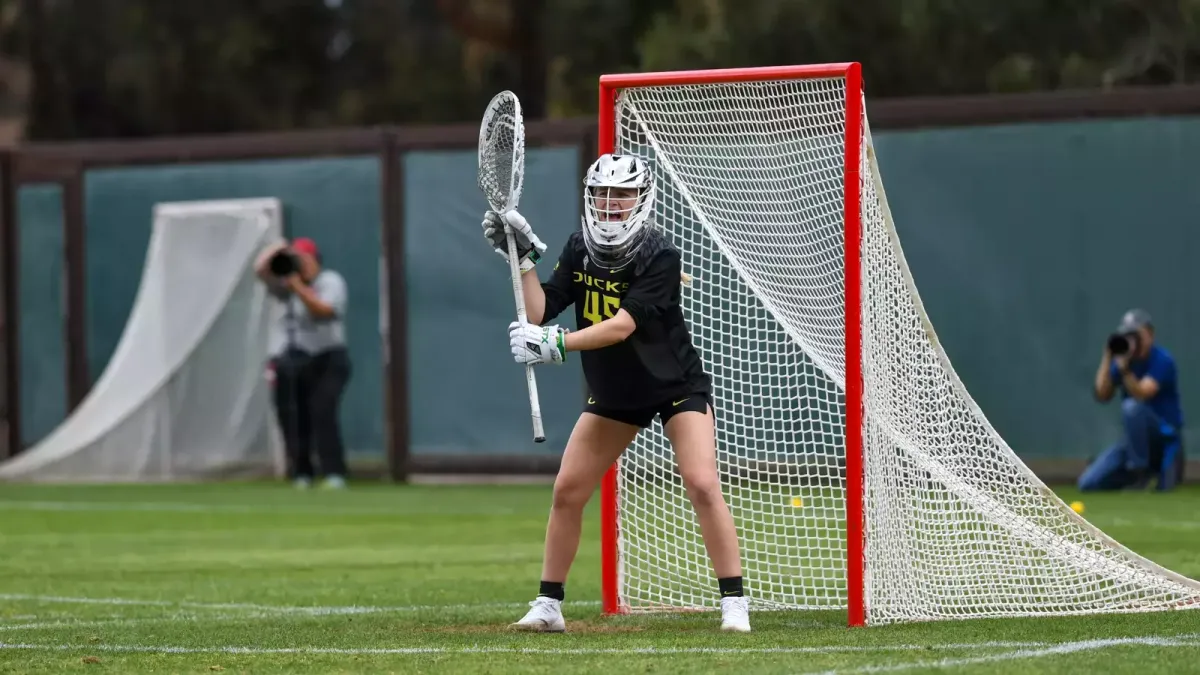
421, 579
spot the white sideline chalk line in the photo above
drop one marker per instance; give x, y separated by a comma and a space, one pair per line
7, 622
1025, 654
180, 507
122, 621
1160, 525
40, 625
277, 609
649, 651
1029, 650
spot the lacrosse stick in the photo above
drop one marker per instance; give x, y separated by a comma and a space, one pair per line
501, 172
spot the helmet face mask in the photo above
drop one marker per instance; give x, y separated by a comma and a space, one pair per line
618, 198
614, 204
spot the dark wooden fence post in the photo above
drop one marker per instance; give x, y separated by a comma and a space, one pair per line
10, 315
396, 384
75, 263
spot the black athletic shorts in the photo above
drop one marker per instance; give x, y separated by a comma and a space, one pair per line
644, 417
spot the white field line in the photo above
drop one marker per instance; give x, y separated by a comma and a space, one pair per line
1157, 525
42, 625
122, 621
647, 651
1027, 650
275, 609
1029, 653
182, 507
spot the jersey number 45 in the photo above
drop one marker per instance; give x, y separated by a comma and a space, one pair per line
598, 307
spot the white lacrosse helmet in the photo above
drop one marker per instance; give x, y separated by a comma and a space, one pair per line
614, 226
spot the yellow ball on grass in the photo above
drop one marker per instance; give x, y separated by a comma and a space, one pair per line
1077, 507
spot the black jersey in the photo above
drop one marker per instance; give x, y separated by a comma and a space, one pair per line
657, 361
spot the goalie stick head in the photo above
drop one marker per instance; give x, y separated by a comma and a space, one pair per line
502, 152
618, 198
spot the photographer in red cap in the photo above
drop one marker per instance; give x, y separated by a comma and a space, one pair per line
309, 359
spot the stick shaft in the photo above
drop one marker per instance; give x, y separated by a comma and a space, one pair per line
514, 268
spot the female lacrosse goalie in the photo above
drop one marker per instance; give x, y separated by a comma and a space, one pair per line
623, 276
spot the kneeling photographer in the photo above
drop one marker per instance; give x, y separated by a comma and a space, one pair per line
1151, 415
308, 357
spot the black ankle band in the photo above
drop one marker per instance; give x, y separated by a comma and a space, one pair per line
730, 587
552, 589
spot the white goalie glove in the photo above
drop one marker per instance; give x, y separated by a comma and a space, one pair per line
537, 344
529, 247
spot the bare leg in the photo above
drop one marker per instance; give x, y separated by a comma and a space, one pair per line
595, 443
693, 437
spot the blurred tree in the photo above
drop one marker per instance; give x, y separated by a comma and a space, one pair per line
594, 37
513, 30
140, 67
936, 47
96, 68
396, 61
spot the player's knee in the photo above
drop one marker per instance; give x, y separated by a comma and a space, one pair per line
1086, 480
703, 489
1134, 410
570, 495
1085, 483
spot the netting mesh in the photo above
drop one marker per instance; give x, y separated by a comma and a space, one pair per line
750, 184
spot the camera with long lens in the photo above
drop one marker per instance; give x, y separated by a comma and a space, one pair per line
284, 263
1122, 343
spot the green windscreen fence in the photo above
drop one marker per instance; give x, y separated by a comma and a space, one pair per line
43, 365
467, 395
1027, 243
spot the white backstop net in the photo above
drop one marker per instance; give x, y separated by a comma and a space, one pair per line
750, 185
184, 395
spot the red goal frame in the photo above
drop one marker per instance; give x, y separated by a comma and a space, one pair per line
855, 525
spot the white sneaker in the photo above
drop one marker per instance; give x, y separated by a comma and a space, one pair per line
334, 483
545, 616
735, 614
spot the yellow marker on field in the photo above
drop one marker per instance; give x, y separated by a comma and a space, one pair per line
1077, 507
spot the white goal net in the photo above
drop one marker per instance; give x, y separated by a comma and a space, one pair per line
184, 395
750, 185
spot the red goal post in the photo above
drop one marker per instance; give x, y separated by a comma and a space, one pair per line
851, 73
